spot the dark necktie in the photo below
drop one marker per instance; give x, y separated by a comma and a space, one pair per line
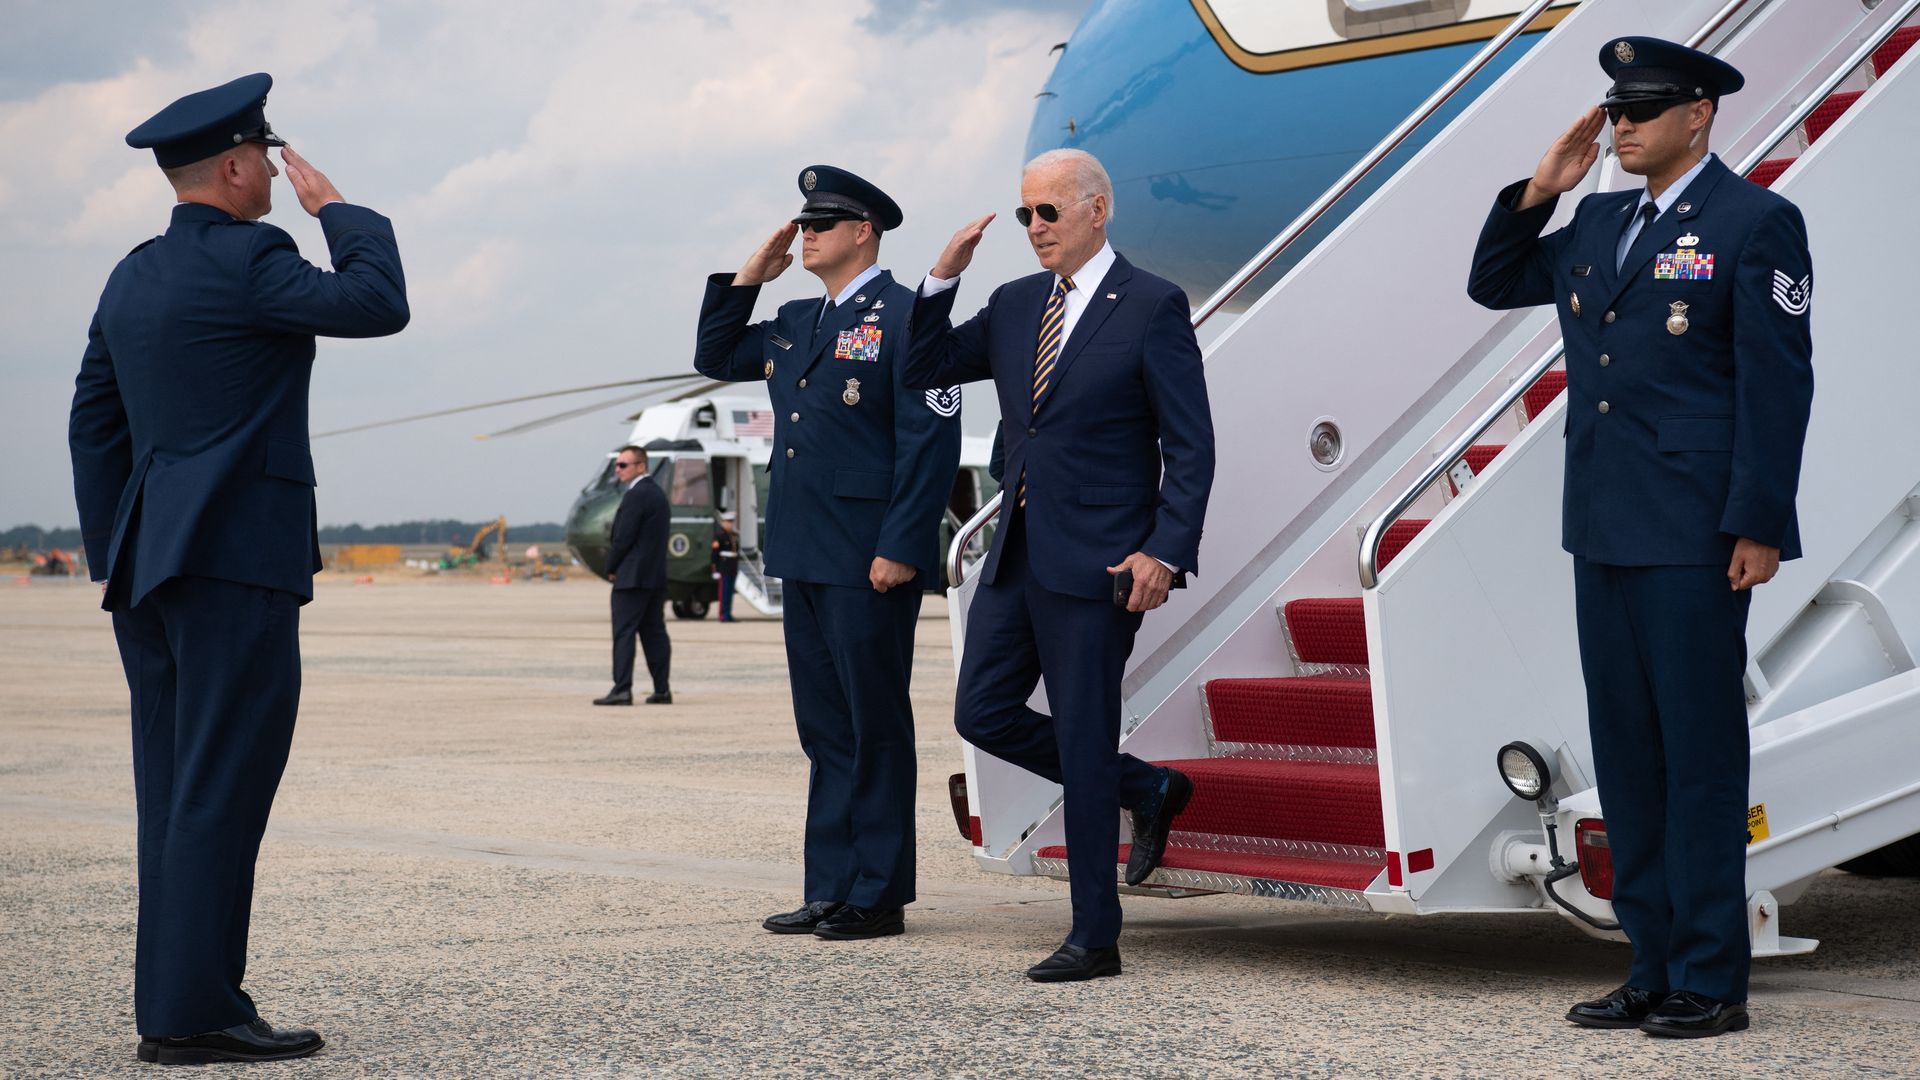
1645, 217
1052, 323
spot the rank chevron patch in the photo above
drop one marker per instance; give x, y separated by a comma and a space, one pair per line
944, 400
1793, 298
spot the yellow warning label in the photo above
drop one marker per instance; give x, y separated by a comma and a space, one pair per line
1757, 823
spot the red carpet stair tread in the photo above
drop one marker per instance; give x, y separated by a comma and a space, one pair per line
1322, 872
1330, 630
1320, 710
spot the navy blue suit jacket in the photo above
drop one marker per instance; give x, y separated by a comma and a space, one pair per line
637, 548
1119, 458
1700, 440
189, 422
862, 466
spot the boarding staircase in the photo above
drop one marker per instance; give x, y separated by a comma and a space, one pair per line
1305, 788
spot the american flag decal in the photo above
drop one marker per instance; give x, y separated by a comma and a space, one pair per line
944, 400
754, 423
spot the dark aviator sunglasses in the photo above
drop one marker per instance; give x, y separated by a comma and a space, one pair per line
1641, 111
1048, 212
823, 225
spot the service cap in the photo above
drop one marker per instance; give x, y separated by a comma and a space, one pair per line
838, 194
209, 122
1650, 69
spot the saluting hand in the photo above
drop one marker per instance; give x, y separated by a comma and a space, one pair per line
959, 253
1754, 563
309, 183
770, 259
1567, 160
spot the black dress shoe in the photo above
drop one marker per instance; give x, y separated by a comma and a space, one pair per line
1075, 963
662, 698
803, 919
255, 1040
615, 697
1150, 830
1687, 1015
1624, 1008
854, 923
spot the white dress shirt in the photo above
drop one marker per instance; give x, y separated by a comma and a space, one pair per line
1664, 202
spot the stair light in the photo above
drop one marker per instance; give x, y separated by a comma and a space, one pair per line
1526, 772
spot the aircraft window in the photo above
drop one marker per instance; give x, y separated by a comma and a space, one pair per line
691, 486
602, 480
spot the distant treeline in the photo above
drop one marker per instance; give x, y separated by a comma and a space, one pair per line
437, 532
406, 532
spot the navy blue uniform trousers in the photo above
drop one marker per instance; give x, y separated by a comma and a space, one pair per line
641, 612
850, 659
213, 668
1664, 652
1019, 633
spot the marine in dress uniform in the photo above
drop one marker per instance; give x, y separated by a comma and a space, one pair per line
637, 565
1108, 464
1684, 309
861, 470
196, 497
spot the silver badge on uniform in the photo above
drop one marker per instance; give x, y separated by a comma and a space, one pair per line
809, 180
1623, 51
1677, 318
851, 395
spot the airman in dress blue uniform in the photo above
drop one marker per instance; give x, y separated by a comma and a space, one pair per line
196, 498
861, 471
1684, 309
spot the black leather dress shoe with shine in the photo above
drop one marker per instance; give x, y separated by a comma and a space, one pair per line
802, 919
1150, 832
255, 1040
854, 923
1624, 1008
1687, 1015
1074, 963
664, 697
615, 697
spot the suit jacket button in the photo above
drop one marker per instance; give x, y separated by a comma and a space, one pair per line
1604, 361
1609, 316
795, 418
803, 384
1032, 432
1604, 407
789, 451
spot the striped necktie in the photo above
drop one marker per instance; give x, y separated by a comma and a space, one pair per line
1051, 325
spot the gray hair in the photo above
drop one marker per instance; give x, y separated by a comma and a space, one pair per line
1087, 172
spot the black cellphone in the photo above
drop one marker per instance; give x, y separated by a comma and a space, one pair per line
1122, 588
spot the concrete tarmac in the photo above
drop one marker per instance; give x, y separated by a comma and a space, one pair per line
473, 871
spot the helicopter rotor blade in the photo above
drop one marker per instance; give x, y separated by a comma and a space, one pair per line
699, 384
504, 401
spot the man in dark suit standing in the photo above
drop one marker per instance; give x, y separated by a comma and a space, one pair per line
637, 565
196, 495
1689, 382
861, 470
1109, 462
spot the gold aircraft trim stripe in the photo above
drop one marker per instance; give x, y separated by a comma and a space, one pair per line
1384, 45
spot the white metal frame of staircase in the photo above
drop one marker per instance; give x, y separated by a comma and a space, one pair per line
1284, 529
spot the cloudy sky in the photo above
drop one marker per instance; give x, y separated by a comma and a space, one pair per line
562, 177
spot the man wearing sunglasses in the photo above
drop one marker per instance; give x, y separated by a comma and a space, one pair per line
1684, 308
860, 474
637, 566
1108, 465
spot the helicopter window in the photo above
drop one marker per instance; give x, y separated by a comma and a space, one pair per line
691, 486
602, 480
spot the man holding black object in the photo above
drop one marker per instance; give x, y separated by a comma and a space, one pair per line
1109, 462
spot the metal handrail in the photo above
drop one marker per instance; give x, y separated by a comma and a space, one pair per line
957, 553
1365, 165
1377, 528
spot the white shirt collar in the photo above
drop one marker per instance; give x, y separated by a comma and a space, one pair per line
1672, 194
1092, 272
859, 282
